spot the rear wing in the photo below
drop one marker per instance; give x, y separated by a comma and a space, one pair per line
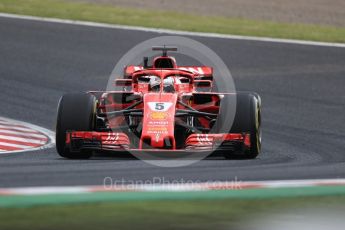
202, 72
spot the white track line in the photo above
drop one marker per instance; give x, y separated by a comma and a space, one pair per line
46, 190
226, 185
174, 32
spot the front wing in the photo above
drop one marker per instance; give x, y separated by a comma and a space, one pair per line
77, 141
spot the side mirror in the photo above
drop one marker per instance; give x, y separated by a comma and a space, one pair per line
123, 82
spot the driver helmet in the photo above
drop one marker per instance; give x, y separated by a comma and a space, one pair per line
168, 84
155, 83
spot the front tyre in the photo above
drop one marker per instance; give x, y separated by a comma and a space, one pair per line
255, 128
247, 120
76, 112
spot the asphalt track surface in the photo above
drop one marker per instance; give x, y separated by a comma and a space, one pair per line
302, 89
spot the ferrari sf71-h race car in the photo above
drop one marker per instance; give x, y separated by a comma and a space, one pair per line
160, 107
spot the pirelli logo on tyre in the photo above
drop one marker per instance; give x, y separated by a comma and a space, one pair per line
159, 115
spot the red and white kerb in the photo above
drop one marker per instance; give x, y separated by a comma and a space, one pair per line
17, 136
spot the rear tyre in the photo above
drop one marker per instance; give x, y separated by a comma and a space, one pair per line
76, 112
247, 120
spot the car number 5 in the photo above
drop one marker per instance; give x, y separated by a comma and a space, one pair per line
159, 106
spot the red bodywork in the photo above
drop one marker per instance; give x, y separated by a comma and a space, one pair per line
158, 115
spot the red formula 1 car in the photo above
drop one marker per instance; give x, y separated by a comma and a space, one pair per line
162, 108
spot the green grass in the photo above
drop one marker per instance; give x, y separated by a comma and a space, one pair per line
196, 214
170, 20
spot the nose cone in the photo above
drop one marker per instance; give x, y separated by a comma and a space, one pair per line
159, 120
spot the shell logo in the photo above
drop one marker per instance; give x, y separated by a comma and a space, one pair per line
159, 115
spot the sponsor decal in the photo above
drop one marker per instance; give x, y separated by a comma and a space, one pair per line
162, 128
155, 123
157, 130
112, 138
158, 115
